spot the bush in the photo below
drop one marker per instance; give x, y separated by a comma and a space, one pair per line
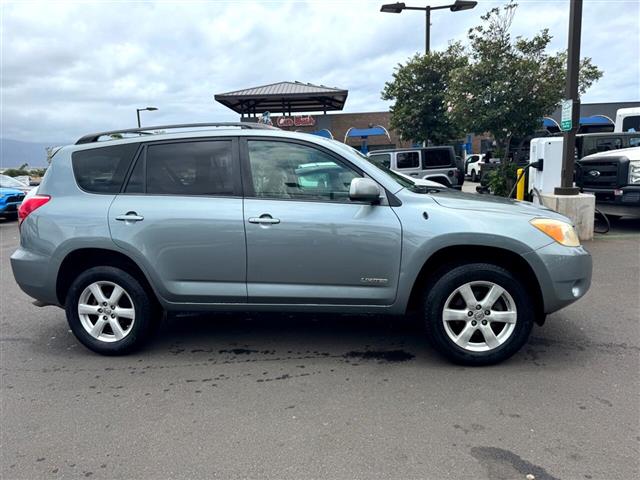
502, 179
16, 172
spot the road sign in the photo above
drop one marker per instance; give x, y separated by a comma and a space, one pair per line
567, 114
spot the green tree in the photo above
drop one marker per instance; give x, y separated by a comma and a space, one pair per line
418, 92
509, 84
50, 152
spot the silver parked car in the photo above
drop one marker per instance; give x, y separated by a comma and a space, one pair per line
10, 182
246, 217
438, 164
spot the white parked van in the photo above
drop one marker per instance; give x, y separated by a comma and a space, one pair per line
627, 120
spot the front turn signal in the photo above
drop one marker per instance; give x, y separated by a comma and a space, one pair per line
561, 232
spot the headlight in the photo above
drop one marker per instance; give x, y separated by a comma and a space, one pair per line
561, 232
634, 171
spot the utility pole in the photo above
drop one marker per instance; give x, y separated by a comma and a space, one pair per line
573, 70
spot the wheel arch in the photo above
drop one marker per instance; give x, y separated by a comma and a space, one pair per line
439, 178
77, 261
450, 256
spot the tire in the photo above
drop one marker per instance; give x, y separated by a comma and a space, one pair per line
132, 320
11, 216
476, 345
474, 176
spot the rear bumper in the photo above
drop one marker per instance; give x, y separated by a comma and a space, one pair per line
564, 274
32, 275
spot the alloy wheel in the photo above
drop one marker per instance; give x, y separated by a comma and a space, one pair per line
106, 311
479, 316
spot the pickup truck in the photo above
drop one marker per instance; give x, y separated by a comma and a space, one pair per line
614, 178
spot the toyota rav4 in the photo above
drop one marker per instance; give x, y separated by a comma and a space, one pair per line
240, 217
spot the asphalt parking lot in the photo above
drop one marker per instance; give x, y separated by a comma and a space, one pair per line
302, 397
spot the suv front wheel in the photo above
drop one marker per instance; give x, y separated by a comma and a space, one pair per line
109, 311
478, 314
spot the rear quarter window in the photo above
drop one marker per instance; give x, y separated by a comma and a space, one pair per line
408, 160
102, 170
438, 158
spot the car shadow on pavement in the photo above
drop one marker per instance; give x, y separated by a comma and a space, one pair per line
251, 337
371, 337
315, 335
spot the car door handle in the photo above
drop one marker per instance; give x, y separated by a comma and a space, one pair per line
264, 219
130, 217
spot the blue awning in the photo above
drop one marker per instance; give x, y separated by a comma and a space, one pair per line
322, 133
549, 122
366, 132
595, 120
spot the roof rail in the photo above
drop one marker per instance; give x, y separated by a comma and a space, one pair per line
94, 137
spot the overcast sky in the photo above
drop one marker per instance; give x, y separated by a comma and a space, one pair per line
69, 68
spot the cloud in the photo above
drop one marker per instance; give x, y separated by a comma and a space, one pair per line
73, 67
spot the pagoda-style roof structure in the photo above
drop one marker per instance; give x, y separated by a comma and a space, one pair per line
284, 97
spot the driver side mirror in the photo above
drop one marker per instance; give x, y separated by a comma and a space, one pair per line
364, 190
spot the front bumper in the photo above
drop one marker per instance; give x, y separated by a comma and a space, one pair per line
624, 201
564, 274
9, 208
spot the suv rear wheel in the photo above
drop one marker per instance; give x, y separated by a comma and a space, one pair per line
478, 314
109, 311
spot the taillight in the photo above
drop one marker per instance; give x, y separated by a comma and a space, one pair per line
30, 204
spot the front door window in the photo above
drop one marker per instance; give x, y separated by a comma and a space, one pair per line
281, 170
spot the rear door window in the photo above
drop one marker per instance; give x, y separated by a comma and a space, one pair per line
190, 168
603, 145
609, 144
405, 160
437, 158
102, 170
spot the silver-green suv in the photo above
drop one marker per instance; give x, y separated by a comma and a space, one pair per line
240, 217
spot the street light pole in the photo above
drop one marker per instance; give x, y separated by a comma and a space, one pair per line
457, 6
138, 110
427, 47
573, 70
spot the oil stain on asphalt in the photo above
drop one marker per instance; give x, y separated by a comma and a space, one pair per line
383, 356
505, 465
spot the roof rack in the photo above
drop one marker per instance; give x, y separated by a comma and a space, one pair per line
94, 137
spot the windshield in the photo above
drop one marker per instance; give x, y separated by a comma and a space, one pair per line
8, 182
404, 181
